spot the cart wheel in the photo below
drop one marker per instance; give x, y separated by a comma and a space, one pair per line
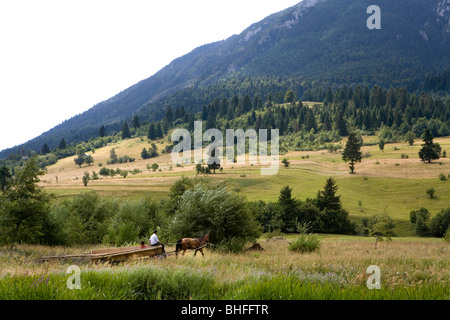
162, 256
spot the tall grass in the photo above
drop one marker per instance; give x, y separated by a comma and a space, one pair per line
290, 287
138, 284
410, 269
162, 284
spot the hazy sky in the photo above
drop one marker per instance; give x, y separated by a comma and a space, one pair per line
59, 58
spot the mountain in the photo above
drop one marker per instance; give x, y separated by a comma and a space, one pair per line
316, 42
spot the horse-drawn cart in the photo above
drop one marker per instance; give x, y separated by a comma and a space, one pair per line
113, 254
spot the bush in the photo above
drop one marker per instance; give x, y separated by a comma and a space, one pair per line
336, 221
305, 242
83, 220
430, 192
268, 215
420, 219
134, 221
442, 177
379, 225
440, 223
217, 211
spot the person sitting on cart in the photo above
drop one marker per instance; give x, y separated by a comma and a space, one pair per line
143, 245
154, 241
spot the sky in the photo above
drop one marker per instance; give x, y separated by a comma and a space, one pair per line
58, 58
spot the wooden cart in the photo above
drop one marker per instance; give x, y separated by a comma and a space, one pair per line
113, 254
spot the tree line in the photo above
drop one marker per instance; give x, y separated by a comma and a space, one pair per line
394, 113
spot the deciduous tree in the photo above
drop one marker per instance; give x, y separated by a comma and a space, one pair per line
24, 207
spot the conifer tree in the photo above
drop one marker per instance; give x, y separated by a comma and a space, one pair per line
289, 208
151, 132
340, 124
45, 149
136, 122
327, 198
158, 130
352, 151
126, 131
145, 154
430, 151
102, 131
62, 144
169, 114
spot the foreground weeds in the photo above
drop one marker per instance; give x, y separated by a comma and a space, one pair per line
409, 270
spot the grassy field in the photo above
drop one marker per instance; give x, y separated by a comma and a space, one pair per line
383, 179
411, 268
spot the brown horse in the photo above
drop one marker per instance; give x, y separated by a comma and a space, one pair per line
196, 244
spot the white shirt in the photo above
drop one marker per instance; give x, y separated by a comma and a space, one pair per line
153, 239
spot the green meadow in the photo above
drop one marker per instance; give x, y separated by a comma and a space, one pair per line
384, 180
411, 267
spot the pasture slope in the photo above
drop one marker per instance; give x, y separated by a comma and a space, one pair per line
384, 179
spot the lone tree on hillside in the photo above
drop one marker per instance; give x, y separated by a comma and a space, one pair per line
430, 151
409, 137
352, 151
213, 161
80, 159
86, 178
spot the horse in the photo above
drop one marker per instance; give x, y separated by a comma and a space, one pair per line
196, 244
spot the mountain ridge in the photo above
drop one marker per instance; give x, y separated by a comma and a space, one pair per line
316, 41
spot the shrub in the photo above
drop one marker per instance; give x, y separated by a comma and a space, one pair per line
381, 144
379, 225
336, 221
442, 177
86, 178
217, 211
420, 219
95, 175
83, 220
430, 192
440, 223
305, 243
134, 221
